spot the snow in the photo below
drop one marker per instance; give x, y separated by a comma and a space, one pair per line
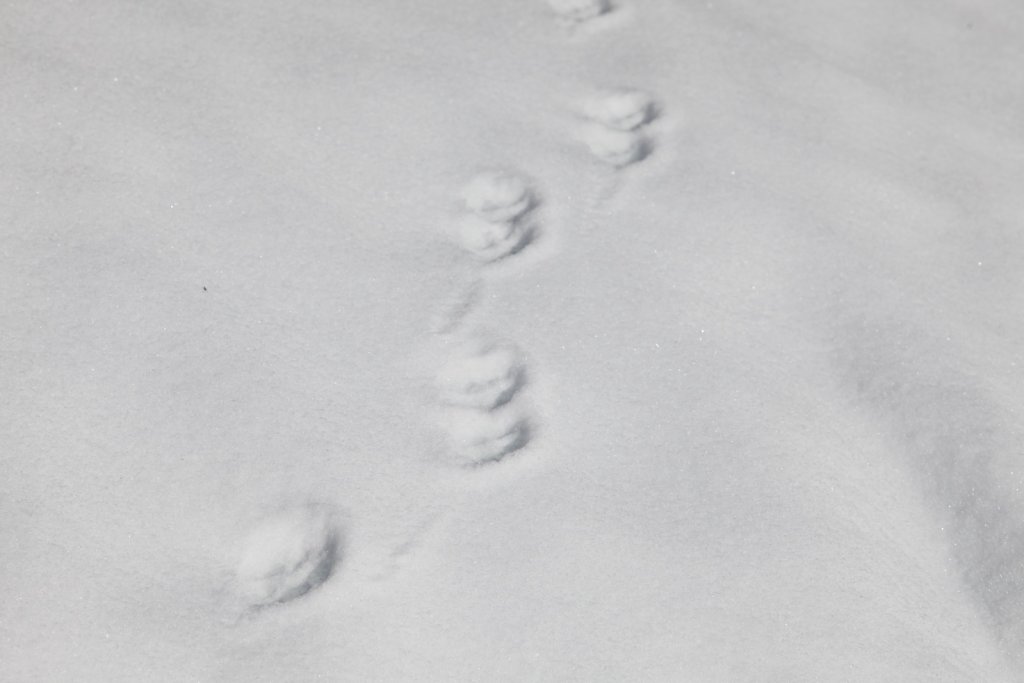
498, 196
499, 223
772, 428
286, 556
579, 10
620, 108
481, 374
616, 147
480, 437
494, 240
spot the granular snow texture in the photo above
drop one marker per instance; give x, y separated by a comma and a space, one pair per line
775, 372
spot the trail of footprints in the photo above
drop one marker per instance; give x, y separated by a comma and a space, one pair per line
615, 132
479, 384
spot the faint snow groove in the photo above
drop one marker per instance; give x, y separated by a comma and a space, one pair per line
968, 453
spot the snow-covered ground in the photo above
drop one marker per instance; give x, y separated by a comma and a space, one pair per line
768, 370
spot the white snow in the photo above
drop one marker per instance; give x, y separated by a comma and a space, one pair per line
493, 240
498, 223
481, 374
618, 148
620, 108
480, 437
498, 196
579, 10
287, 555
775, 378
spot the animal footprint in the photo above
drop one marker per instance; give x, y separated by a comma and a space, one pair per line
286, 556
498, 219
578, 11
480, 437
617, 148
456, 307
482, 375
614, 132
478, 386
620, 108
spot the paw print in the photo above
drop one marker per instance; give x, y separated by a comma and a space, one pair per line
498, 220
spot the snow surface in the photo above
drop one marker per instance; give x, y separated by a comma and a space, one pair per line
620, 108
775, 367
287, 555
481, 374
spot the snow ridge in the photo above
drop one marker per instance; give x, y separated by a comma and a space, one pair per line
965, 452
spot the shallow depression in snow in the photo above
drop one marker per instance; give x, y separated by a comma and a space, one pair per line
224, 228
287, 555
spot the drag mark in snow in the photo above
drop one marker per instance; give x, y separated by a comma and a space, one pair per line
385, 552
617, 148
622, 109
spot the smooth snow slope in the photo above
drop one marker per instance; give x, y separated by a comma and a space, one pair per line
773, 370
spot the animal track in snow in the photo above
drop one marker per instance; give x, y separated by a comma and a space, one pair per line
384, 545
287, 555
620, 108
477, 384
498, 196
615, 131
498, 222
579, 11
479, 437
482, 375
457, 305
491, 241
618, 148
